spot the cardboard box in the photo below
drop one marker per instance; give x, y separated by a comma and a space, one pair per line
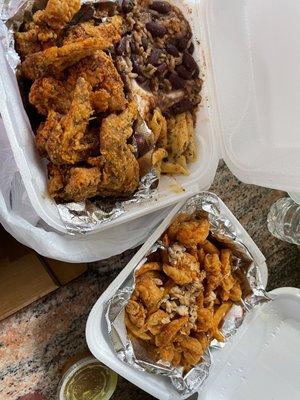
25, 276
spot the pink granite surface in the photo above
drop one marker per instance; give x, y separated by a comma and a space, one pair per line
36, 342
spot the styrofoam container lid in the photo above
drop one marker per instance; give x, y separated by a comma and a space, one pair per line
262, 361
253, 70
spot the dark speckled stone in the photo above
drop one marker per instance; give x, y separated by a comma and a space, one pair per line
36, 342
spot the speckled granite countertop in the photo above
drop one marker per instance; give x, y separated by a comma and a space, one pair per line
36, 342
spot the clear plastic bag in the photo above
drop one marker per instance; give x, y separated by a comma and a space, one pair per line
20, 219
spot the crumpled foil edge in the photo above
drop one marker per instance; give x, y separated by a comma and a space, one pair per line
223, 230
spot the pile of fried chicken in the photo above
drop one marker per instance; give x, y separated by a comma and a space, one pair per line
73, 80
183, 293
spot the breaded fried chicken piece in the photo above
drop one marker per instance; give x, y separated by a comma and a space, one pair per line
121, 168
100, 72
65, 143
72, 183
57, 14
48, 94
54, 60
44, 131
110, 31
44, 29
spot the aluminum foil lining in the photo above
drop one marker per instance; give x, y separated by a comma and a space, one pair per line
131, 353
79, 218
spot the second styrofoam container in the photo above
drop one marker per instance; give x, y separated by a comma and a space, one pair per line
249, 114
96, 329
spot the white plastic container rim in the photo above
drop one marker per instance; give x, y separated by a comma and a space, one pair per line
96, 329
249, 114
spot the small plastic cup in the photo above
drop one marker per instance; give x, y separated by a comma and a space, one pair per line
87, 379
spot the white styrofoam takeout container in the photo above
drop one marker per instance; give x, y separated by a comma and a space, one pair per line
249, 114
96, 328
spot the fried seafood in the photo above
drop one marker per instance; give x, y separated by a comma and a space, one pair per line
120, 173
54, 60
180, 300
65, 143
57, 14
42, 32
110, 31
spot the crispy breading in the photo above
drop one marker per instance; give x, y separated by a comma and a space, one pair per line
169, 332
50, 94
110, 31
66, 144
235, 293
136, 313
209, 247
227, 280
137, 332
121, 168
57, 14
108, 88
204, 319
99, 71
148, 291
183, 268
193, 233
42, 32
82, 183
44, 130
174, 227
55, 180
156, 321
166, 353
212, 266
191, 348
149, 266
54, 60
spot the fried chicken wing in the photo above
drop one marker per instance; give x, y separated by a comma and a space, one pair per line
121, 168
57, 14
110, 31
65, 143
54, 60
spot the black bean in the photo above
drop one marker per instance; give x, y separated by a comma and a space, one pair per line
183, 72
161, 69
171, 49
182, 106
134, 47
144, 42
189, 61
191, 48
176, 81
173, 41
85, 13
163, 7
195, 73
121, 47
154, 57
156, 29
182, 43
127, 5
141, 79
